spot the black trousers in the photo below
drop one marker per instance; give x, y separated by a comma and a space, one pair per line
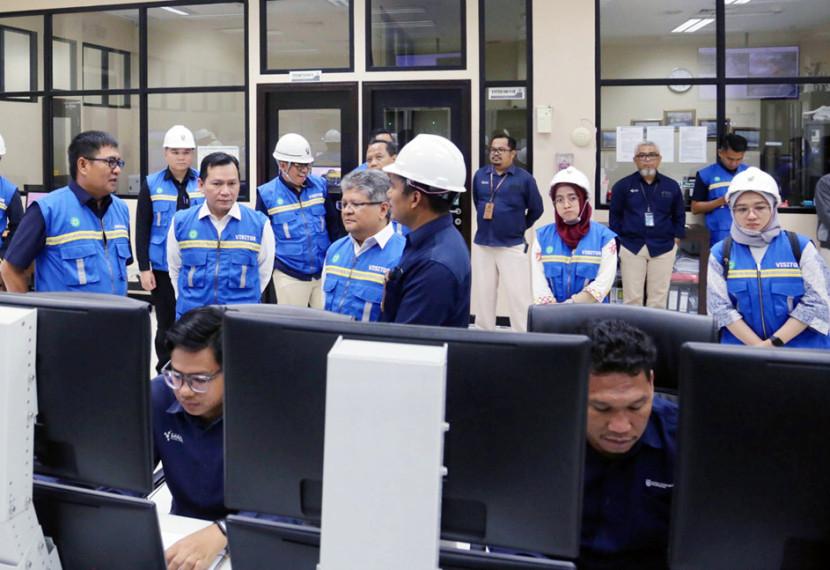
164, 300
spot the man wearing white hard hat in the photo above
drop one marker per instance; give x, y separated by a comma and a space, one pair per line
162, 194
431, 284
766, 286
507, 203
11, 207
304, 225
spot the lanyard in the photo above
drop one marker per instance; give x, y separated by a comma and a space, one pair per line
496, 189
648, 205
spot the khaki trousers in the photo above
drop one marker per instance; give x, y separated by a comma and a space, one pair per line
291, 291
640, 270
508, 267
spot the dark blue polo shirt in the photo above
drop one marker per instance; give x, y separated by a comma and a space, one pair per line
631, 197
517, 204
431, 284
192, 454
627, 500
30, 237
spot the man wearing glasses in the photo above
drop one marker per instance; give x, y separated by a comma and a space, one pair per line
79, 234
357, 264
187, 402
304, 227
507, 203
648, 215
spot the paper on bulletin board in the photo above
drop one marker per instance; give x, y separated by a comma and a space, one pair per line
627, 140
692, 144
663, 137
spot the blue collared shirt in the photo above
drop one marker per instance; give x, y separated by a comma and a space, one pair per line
30, 237
627, 500
431, 285
192, 454
516, 205
631, 197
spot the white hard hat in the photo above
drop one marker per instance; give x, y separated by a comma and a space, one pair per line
573, 177
179, 136
754, 180
431, 160
293, 148
332, 136
2, 146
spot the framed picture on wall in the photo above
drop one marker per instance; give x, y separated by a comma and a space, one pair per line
609, 139
646, 122
711, 127
751, 134
679, 118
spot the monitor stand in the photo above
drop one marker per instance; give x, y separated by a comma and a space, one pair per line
22, 544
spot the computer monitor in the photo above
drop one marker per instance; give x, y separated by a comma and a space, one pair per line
516, 405
751, 484
260, 544
93, 529
93, 385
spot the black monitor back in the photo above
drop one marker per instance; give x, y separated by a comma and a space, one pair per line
93, 384
93, 529
751, 486
516, 405
257, 544
668, 329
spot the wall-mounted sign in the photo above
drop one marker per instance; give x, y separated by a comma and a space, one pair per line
506, 93
305, 76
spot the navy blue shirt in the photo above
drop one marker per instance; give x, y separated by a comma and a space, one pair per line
30, 237
631, 197
517, 205
431, 284
192, 453
627, 500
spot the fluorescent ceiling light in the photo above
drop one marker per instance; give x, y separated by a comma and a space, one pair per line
339, 3
692, 25
702, 23
175, 11
409, 24
376, 11
727, 2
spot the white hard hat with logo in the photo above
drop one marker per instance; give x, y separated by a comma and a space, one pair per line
573, 177
753, 179
431, 160
2, 146
179, 136
293, 148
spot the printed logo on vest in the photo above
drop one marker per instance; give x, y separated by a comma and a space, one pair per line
717, 178
731, 264
75, 222
549, 249
280, 201
159, 190
243, 237
173, 436
658, 484
379, 269
193, 234
336, 258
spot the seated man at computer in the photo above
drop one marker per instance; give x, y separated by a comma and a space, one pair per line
187, 402
630, 460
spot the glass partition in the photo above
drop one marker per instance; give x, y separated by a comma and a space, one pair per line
307, 34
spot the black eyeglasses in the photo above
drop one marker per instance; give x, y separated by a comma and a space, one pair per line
499, 150
342, 205
199, 383
112, 162
644, 156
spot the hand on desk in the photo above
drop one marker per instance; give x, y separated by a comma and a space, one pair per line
196, 551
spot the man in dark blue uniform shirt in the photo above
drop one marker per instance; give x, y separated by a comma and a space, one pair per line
648, 214
630, 460
431, 284
187, 402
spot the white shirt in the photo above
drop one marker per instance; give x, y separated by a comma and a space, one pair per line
265, 257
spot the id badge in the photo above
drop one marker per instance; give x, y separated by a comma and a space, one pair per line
649, 220
488, 211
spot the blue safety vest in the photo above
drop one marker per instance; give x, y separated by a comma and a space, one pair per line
299, 225
399, 228
354, 285
766, 298
569, 271
83, 252
717, 180
164, 196
7, 190
218, 271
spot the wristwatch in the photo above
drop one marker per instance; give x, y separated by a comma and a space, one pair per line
776, 341
222, 526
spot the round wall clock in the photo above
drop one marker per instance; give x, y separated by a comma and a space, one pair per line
680, 73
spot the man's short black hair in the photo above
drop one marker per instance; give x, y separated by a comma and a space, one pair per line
198, 329
380, 131
733, 142
439, 202
216, 159
619, 347
511, 142
86, 145
391, 148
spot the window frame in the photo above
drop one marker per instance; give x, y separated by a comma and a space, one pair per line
24, 96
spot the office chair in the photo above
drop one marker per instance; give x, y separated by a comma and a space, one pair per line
668, 329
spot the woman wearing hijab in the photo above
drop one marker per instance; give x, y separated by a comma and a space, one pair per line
574, 261
767, 296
